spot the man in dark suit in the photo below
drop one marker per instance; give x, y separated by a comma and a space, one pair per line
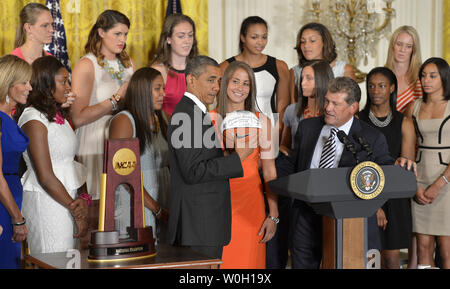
200, 204
341, 103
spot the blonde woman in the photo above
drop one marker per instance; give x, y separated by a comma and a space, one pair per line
15, 86
34, 31
404, 59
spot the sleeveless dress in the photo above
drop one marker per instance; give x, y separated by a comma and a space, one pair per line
156, 178
247, 216
50, 225
14, 142
433, 157
91, 136
413, 92
338, 70
174, 89
266, 78
398, 231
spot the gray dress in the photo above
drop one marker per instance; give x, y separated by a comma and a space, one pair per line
156, 178
433, 157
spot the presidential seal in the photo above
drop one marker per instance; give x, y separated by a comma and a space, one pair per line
367, 180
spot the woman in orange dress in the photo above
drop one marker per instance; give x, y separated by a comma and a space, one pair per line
250, 227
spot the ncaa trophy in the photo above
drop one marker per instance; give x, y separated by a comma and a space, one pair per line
121, 165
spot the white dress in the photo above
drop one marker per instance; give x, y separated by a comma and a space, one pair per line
91, 136
50, 225
156, 178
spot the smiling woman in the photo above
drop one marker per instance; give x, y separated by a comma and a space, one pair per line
53, 177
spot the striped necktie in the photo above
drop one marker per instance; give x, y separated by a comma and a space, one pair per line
328, 151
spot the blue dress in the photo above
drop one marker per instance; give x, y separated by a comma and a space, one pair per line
14, 143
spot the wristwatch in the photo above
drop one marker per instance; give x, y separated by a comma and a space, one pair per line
276, 220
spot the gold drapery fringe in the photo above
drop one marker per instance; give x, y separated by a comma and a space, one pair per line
146, 17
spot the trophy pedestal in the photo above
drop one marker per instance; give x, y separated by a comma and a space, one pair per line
106, 246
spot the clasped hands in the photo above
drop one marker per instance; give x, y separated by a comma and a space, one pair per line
79, 210
423, 196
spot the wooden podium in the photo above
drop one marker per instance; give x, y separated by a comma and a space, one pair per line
121, 166
329, 192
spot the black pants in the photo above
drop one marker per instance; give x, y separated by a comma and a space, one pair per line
277, 247
210, 251
306, 237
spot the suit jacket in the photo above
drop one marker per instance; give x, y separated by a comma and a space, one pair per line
306, 138
200, 204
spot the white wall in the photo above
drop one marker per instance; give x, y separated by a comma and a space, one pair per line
285, 18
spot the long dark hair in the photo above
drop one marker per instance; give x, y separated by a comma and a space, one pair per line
139, 102
322, 75
329, 47
249, 21
44, 70
386, 72
444, 72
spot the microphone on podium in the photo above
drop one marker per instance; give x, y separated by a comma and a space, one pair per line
364, 144
348, 144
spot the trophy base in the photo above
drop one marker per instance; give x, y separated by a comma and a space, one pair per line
106, 246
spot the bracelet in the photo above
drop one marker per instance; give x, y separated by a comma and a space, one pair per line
116, 96
86, 197
276, 220
114, 104
159, 211
20, 223
445, 178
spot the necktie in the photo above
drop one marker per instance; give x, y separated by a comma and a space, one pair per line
328, 151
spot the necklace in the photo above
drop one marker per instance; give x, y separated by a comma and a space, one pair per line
307, 113
155, 127
117, 75
378, 122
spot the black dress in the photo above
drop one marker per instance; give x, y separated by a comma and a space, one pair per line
398, 231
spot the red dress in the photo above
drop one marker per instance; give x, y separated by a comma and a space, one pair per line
174, 90
247, 216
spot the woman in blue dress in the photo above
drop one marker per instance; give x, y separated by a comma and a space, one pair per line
15, 75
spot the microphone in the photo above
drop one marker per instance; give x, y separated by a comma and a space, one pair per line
364, 144
349, 145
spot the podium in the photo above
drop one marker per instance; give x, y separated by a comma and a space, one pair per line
329, 192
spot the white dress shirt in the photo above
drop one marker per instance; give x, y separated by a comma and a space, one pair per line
197, 101
323, 137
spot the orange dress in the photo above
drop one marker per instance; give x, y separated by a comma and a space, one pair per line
247, 216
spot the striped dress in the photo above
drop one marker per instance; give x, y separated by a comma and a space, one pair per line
413, 92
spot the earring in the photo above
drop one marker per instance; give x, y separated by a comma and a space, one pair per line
7, 99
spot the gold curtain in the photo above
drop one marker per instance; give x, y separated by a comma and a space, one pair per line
446, 32
146, 17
